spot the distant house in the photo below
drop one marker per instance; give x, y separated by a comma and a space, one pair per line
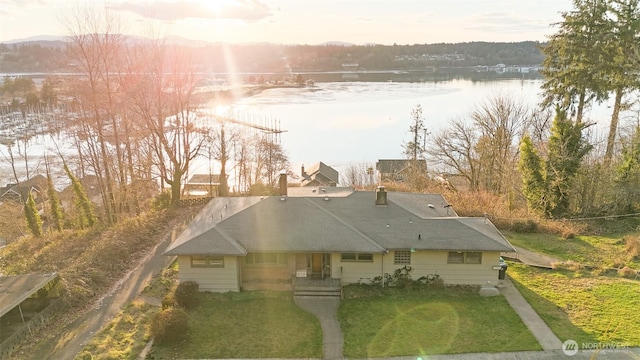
319, 174
397, 170
37, 186
245, 243
202, 185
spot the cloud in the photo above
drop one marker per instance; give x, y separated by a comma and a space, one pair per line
247, 10
504, 22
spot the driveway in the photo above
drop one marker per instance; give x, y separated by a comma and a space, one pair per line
78, 333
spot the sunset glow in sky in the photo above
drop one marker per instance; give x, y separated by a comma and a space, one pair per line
303, 21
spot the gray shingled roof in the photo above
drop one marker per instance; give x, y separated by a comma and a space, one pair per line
353, 223
204, 179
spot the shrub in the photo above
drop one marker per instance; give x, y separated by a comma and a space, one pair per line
168, 301
169, 325
633, 246
161, 201
527, 226
186, 294
566, 265
628, 272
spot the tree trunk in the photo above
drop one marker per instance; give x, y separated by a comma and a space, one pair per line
613, 127
580, 107
176, 186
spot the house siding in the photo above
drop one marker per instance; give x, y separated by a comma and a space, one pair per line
424, 263
355, 272
211, 279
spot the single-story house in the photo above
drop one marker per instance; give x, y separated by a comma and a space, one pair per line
241, 243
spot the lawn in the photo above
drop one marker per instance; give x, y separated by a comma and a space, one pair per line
256, 324
600, 251
582, 307
397, 322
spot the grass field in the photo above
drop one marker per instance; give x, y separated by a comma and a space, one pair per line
582, 307
247, 325
396, 322
601, 251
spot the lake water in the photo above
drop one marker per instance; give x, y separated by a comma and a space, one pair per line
341, 123
345, 122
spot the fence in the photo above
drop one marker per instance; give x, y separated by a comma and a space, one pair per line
43, 317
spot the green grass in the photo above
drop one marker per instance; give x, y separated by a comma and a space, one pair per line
395, 322
579, 306
247, 325
125, 336
600, 251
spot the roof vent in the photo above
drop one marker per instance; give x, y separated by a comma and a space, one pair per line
381, 196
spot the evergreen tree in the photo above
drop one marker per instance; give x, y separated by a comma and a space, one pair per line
48, 93
87, 217
547, 183
623, 71
628, 174
576, 57
533, 179
566, 149
57, 216
33, 218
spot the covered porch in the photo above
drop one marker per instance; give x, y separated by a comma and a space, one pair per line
282, 271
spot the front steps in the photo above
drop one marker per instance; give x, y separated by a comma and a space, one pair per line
327, 288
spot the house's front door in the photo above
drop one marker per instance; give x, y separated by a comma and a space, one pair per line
320, 265
316, 263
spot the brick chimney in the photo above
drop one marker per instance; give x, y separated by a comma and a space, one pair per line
283, 184
381, 196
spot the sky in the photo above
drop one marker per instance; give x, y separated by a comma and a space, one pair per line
300, 21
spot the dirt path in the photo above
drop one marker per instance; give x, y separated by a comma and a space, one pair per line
76, 334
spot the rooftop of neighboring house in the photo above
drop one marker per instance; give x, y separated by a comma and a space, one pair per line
319, 174
204, 179
20, 192
394, 166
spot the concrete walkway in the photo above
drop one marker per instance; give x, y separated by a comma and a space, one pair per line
547, 339
533, 258
326, 310
620, 354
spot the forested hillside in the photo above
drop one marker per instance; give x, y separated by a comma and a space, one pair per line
52, 56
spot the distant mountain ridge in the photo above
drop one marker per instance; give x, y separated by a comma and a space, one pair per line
50, 40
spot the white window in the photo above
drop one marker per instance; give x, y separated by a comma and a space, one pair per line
267, 259
207, 261
464, 257
357, 257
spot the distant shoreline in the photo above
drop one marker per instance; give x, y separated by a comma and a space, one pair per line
227, 96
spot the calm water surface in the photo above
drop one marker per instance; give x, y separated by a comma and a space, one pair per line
342, 123
346, 122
